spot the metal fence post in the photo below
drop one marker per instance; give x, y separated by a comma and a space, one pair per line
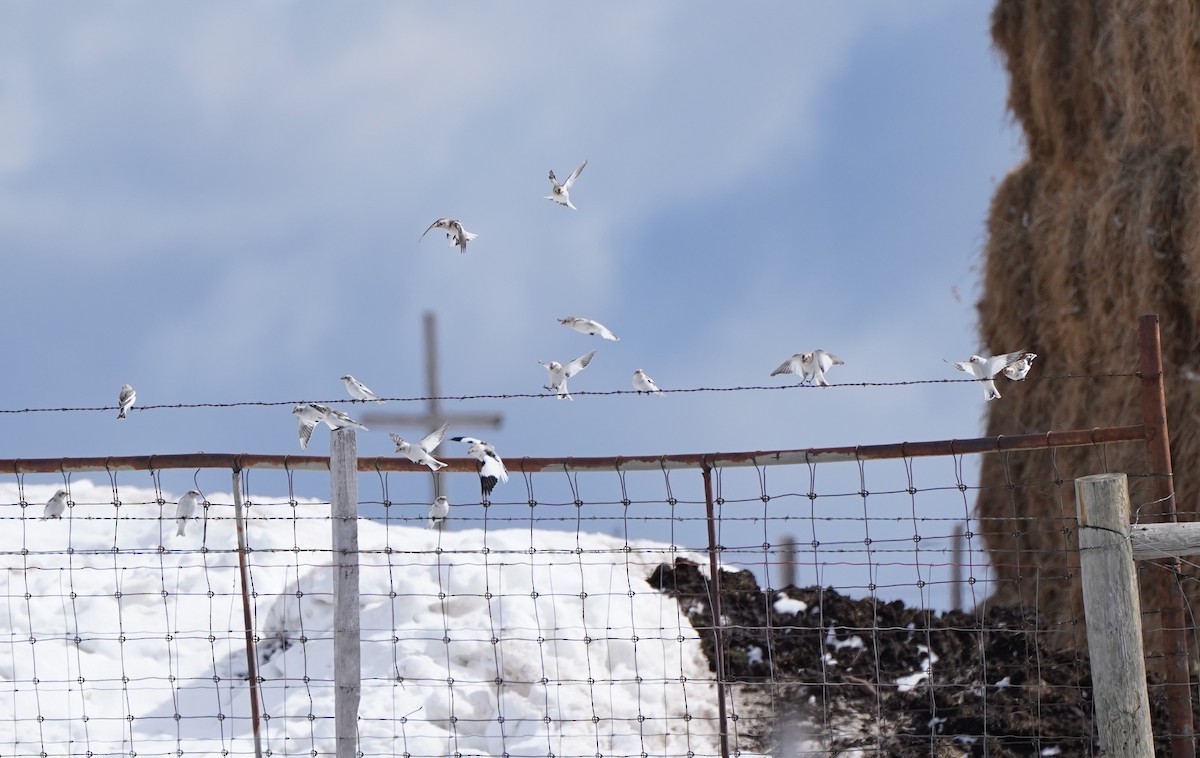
347, 641
714, 591
247, 620
1114, 616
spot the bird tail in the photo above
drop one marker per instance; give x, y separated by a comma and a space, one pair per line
121, 413
468, 236
182, 527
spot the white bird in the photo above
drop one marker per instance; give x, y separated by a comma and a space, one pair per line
454, 232
185, 509
309, 415
643, 383
986, 368
338, 419
810, 366
420, 452
560, 193
1019, 370
588, 326
491, 468
125, 400
560, 373
438, 512
358, 390
56, 505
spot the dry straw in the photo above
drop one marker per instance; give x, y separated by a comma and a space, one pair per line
1099, 226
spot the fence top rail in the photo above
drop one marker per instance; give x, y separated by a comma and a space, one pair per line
238, 461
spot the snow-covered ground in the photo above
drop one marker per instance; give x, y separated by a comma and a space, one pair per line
117, 636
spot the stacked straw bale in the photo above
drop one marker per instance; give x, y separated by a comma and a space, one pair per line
1100, 225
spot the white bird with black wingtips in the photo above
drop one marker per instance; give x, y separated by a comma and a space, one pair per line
589, 326
125, 400
1020, 369
421, 451
561, 193
560, 373
438, 512
338, 419
56, 505
810, 366
186, 509
643, 383
986, 368
491, 468
308, 415
358, 390
455, 232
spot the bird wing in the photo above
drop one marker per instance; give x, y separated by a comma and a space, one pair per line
306, 430
998, 363
574, 175
430, 441
825, 360
577, 365
790, 366
468, 440
553, 182
434, 225
491, 465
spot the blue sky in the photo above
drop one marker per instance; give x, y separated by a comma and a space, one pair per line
221, 202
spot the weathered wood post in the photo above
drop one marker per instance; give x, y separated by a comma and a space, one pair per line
1113, 610
347, 641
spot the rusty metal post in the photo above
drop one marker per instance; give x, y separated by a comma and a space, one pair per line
714, 591
247, 619
1158, 454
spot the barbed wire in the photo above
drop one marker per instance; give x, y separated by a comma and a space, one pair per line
546, 395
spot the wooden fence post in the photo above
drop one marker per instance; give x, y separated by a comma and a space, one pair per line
347, 641
1113, 610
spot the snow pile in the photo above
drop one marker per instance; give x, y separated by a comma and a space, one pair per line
119, 636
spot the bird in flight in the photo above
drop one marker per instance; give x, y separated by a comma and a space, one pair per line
561, 193
454, 232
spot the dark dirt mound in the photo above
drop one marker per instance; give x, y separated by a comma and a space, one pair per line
848, 672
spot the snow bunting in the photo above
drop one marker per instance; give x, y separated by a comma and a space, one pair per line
56, 505
125, 400
986, 368
560, 373
454, 232
560, 193
185, 509
309, 415
337, 419
588, 326
643, 383
491, 468
358, 390
1020, 369
810, 366
420, 452
438, 512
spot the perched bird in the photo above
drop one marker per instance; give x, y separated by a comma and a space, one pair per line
125, 400
185, 509
560, 193
588, 326
309, 415
420, 452
986, 368
560, 373
810, 366
643, 383
358, 390
438, 512
56, 505
1019, 370
338, 419
491, 468
454, 232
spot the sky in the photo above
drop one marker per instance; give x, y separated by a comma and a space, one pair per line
223, 202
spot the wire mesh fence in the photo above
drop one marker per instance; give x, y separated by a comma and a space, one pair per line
575, 612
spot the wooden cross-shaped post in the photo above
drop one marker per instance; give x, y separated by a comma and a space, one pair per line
433, 417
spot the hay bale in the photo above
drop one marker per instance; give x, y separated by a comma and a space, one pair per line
1099, 226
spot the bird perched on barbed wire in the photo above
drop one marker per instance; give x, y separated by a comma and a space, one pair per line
56, 505
359, 391
421, 451
588, 326
1020, 369
985, 369
438, 512
125, 400
810, 366
454, 232
561, 193
491, 468
560, 373
308, 415
185, 510
643, 383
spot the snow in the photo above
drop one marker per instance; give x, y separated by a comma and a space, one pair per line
785, 604
116, 635
924, 669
